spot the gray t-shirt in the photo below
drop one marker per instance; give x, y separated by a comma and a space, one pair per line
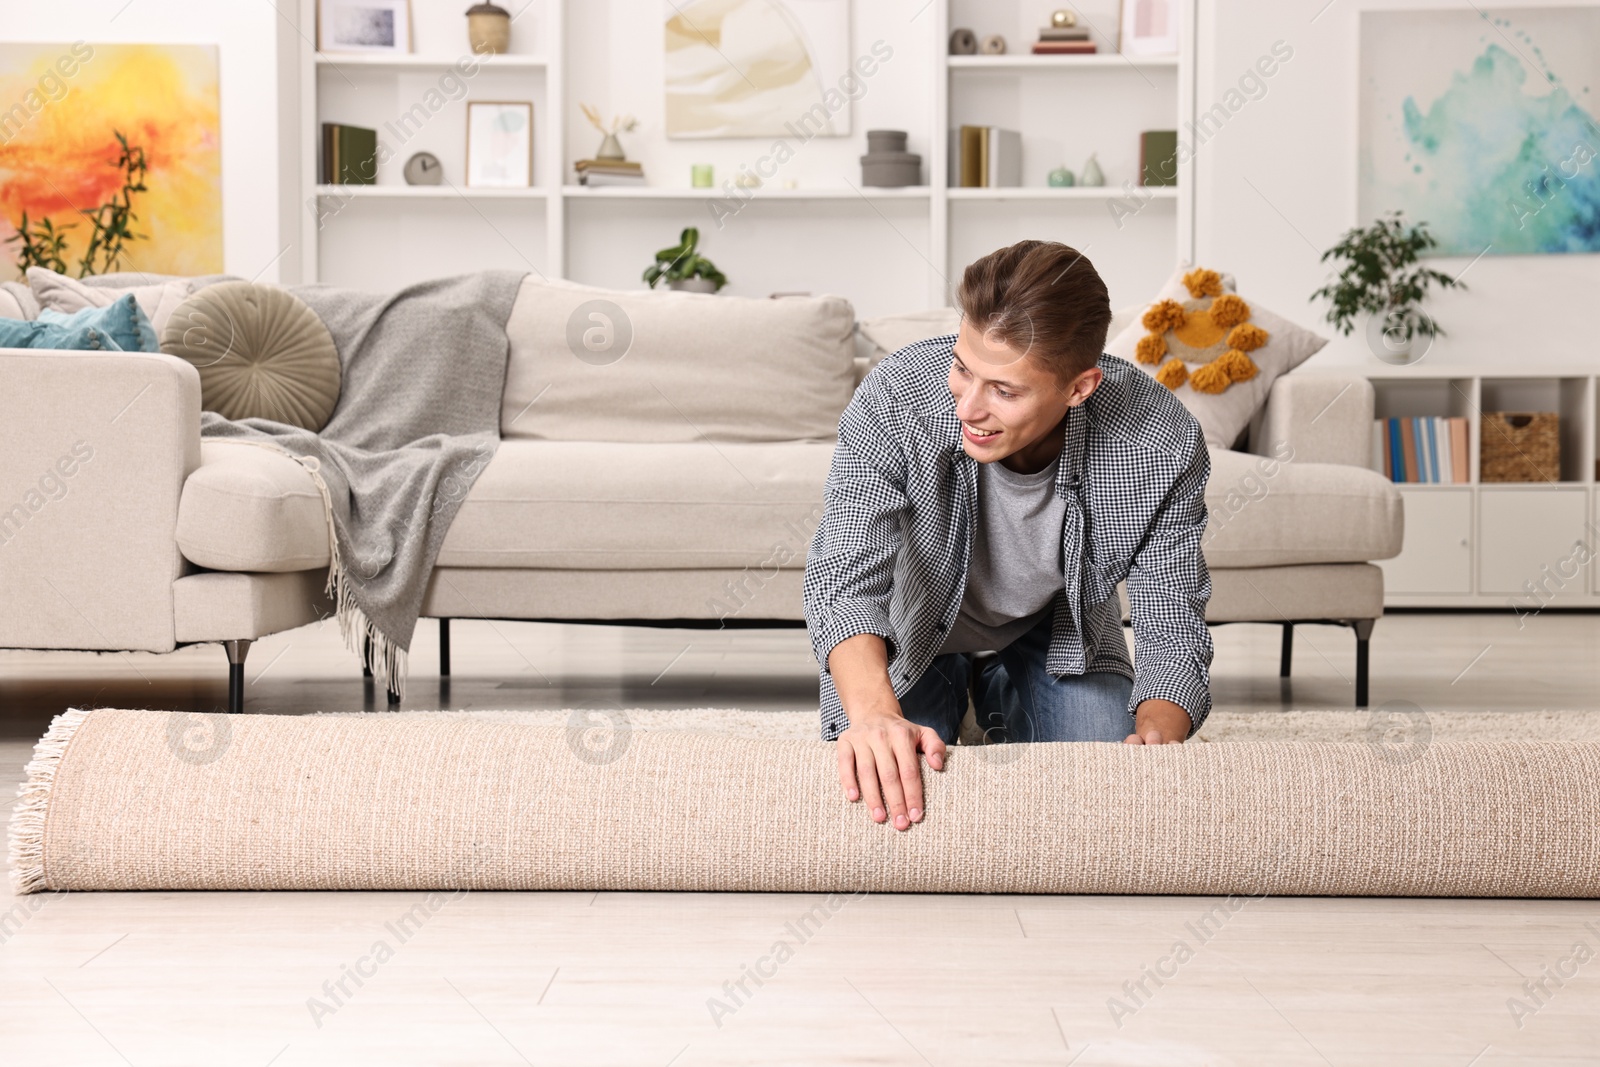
1016, 571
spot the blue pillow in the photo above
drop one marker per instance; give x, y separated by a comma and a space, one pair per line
122, 321
20, 333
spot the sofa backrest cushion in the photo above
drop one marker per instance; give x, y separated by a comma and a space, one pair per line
591, 364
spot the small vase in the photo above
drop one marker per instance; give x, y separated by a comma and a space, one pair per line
610, 148
1092, 174
693, 285
1061, 178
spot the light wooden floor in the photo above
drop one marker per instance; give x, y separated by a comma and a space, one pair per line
619, 978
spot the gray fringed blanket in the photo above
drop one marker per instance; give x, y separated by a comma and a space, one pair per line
418, 420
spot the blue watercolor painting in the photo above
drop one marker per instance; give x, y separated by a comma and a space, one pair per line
1483, 125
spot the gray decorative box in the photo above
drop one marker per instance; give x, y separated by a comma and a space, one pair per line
887, 164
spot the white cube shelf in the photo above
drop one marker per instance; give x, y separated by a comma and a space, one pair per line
1513, 545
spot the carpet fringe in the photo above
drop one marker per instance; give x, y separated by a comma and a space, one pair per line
33, 804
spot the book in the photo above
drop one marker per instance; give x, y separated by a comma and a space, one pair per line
1408, 450
618, 166
1064, 48
970, 143
1064, 33
1397, 454
349, 155
1420, 431
1441, 433
1430, 472
1002, 159
985, 157
1459, 456
1158, 157
594, 179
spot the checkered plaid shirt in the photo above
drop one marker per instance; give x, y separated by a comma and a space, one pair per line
890, 556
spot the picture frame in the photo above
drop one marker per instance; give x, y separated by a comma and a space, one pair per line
1148, 27
364, 26
500, 144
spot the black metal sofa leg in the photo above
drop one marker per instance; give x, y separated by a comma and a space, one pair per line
1286, 657
1363, 628
237, 651
444, 648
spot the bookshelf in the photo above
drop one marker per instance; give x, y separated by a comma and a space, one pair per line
888, 250
1479, 544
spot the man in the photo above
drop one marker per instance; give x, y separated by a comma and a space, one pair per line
988, 492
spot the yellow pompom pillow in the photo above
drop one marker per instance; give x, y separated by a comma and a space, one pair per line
1219, 352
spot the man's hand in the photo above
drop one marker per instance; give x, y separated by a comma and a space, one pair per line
1159, 722
878, 753
878, 763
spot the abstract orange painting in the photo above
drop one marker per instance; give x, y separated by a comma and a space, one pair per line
61, 108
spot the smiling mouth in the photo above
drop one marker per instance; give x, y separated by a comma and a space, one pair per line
979, 436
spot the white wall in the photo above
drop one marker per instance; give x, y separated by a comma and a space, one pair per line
257, 189
1296, 146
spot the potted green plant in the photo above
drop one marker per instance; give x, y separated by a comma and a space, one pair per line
1379, 278
684, 268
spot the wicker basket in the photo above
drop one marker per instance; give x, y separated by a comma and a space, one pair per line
1520, 447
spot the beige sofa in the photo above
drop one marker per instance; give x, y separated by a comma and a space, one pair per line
661, 464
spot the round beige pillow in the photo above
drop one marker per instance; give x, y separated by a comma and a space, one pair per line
261, 353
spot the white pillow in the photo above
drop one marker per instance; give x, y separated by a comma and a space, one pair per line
17, 302
590, 364
60, 293
1223, 403
893, 332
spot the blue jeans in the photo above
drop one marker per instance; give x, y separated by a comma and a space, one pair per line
1016, 699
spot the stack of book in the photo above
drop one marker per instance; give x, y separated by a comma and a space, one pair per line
609, 172
1063, 41
349, 155
985, 157
1426, 449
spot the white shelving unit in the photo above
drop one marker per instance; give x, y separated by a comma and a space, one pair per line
873, 245
367, 236
1482, 544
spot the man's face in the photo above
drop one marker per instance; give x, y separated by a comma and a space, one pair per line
1008, 400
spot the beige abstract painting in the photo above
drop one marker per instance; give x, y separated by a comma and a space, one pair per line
756, 68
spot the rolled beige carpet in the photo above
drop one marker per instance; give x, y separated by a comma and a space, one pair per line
151, 800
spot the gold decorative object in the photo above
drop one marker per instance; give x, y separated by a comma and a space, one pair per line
1063, 19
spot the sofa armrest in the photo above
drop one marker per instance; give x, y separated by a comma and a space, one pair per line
97, 447
1316, 418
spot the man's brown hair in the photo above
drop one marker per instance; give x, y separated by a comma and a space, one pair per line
1040, 297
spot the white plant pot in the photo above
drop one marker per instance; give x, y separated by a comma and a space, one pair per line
1396, 339
693, 285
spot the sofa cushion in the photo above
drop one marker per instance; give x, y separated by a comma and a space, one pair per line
1217, 352
157, 299
262, 353
607, 365
1269, 513
249, 508
17, 301
598, 506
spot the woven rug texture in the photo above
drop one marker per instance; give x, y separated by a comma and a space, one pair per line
120, 800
